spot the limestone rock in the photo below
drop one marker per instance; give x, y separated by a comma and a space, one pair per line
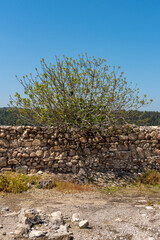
22, 169
29, 216
140, 152
3, 150
12, 161
123, 137
132, 137
20, 129
36, 142
83, 224
4, 143
3, 162
45, 183
76, 217
56, 220
32, 154
2, 135
40, 172
5, 209
25, 134
39, 153
63, 229
21, 229
37, 234
83, 139
59, 236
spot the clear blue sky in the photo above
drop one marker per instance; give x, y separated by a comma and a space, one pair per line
125, 32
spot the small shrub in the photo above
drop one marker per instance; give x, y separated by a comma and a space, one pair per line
149, 177
149, 203
16, 182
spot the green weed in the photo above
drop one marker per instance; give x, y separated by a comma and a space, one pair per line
149, 203
12, 182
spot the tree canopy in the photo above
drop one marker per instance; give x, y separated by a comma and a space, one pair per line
83, 92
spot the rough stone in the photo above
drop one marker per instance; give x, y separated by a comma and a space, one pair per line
21, 229
76, 217
12, 162
22, 169
56, 220
37, 234
39, 153
3, 162
4, 143
29, 216
36, 142
5, 209
45, 183
83, 139
3, 150
83, 224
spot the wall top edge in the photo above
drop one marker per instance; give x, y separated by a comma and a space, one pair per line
5, 127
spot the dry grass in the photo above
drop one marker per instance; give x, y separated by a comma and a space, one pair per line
151, 177
13, 182
69, 187
148, 183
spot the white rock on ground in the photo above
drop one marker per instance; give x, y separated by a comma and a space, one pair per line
50, 226
22, 229
62, 229
36, 234
83, 224
56, 220
76, 217
29, 216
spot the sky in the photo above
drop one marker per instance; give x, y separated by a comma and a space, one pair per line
126, 33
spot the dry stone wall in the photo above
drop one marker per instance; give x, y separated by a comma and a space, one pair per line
36, 148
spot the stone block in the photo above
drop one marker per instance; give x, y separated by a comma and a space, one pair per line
56, 148
132, 137
87, 151
123, 137
36, 142
83, 140
25, 155
32, 154
4, 143
140, 152
3, 150
12, 162
3, 162
6, 169
72, 152
22, 169
26, 144
39, 153
123, 155
2, 135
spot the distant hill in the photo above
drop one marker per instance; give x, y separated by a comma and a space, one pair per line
149, 118
10, 117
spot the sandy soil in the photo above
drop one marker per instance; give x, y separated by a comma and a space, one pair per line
115, 216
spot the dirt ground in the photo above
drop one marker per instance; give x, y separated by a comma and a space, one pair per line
115, 216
